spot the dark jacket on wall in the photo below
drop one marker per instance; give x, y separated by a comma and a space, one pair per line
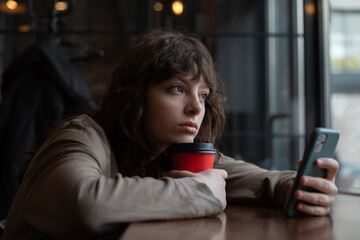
39, 89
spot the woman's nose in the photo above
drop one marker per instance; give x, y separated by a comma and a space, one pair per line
193, 106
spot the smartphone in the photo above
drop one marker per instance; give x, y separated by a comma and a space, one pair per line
322, 144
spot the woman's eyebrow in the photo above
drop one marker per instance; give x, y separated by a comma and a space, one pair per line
192, 81
204, 85
184, 78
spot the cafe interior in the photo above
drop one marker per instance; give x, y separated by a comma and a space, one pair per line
288, 67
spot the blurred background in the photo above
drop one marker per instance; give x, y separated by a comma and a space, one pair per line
289, 66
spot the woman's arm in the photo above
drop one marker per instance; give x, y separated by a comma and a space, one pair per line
69, 185
248, 183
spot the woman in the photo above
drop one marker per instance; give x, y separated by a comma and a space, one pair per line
94, 174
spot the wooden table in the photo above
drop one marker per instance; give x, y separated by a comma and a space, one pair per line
252, 222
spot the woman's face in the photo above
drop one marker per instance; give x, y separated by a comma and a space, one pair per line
174, 110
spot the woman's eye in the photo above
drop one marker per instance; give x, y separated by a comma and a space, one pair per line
176, 90
203, 97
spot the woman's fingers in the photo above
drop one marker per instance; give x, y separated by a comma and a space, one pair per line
222, 173
321, 184
178, 174
331, 165
318, 203
182, 174
314, 198
313, 210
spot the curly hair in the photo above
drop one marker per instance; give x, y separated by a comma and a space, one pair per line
157, 56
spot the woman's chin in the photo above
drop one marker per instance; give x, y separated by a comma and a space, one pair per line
184, 140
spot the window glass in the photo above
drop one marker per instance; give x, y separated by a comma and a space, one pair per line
344, 51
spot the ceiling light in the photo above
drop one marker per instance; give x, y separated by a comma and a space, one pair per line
12, 5
61, 6
24, 28
177, 7
158, 6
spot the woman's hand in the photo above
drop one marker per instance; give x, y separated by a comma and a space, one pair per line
213, 178
320, 202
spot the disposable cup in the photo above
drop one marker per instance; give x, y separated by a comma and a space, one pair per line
193, 157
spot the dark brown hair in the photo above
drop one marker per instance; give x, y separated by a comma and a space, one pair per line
157, 56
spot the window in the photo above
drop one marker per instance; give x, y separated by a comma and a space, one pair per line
345, 96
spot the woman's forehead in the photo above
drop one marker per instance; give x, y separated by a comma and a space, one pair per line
193, 78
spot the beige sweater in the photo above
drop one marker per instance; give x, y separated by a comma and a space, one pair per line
72, 188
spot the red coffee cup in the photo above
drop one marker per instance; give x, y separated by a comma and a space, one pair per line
193, 157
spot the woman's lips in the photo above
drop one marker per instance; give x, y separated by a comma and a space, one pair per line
190, 127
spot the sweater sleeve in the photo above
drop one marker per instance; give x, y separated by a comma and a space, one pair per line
248, 183
69, 187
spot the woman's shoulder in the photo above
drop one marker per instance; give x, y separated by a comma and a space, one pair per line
81, 123
77, 135
83, 120
80, 128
